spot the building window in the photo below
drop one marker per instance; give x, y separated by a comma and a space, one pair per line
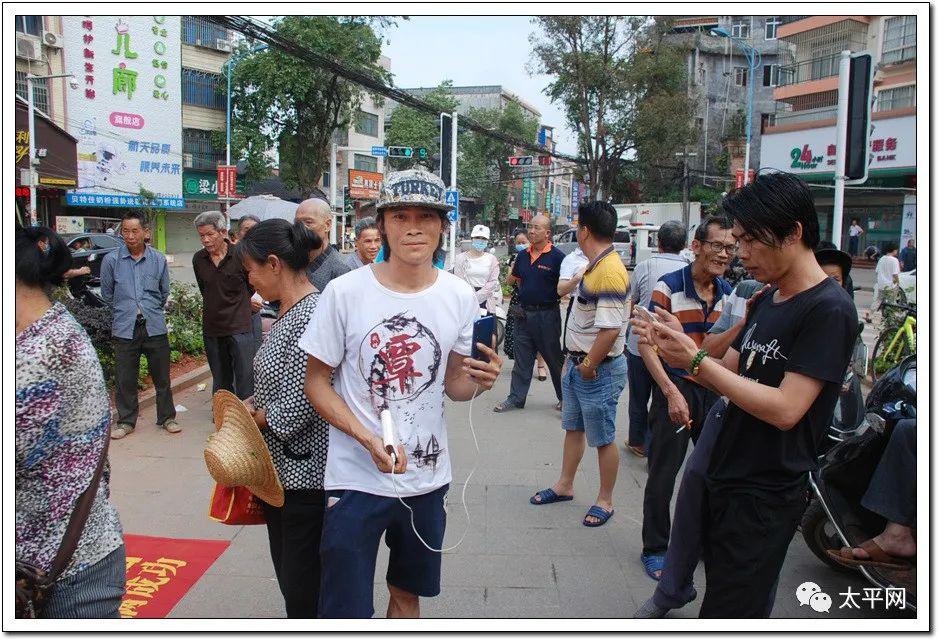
768, 120
40, 91
742, 26
365, 163
741, 75
898, 98
770, 75
899, 39
771, 27
198, 144
199, 88
366, 124
203, 33
29, 24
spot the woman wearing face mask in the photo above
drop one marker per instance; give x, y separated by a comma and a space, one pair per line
479, 268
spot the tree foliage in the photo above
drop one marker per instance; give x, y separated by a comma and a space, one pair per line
483, 167
622, 87
282, 103
411, 128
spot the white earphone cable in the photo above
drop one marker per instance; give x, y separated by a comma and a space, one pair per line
464, 487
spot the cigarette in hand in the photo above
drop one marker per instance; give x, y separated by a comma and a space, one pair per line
685, 426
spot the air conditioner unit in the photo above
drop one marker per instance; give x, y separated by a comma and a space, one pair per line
51, 40
28, 47
187, 160
223, 45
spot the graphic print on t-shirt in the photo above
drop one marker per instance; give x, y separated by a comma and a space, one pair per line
770, 350
400, 359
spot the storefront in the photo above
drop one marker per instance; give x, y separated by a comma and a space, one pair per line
57, 169
882, 203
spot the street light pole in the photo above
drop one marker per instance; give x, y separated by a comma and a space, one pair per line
228, 66
33, 160
754, 58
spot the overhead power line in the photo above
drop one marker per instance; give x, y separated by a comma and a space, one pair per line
256, 30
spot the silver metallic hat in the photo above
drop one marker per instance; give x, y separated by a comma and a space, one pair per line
417, 187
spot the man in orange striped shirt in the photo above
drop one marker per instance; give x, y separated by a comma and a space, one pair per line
695, 294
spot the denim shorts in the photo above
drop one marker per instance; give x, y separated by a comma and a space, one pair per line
351, 532
590, 405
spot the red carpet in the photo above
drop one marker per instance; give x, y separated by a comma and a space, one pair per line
161, 570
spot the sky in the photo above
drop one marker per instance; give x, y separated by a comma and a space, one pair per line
473, 50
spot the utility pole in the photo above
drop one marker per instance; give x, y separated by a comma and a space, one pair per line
452, 227
685, 188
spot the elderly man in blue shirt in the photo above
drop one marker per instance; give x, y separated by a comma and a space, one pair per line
135, 284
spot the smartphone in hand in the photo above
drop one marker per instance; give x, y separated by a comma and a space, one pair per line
646, 315
482, 331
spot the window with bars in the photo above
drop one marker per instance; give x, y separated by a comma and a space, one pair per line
365, 163
771, 27
770, 75
366, 124
741, 75
198, 88
40, 91
198, 144
201, 32
899, 39
898, 98
741, 26
29, 24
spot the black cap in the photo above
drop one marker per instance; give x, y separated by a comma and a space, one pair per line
835, 256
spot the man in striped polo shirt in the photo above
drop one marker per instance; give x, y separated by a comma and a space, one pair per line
595, 371
695, 295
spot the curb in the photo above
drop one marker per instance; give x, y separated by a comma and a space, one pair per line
148, 397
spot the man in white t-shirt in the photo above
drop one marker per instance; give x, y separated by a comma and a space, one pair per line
855, 231
887, 275
397, 335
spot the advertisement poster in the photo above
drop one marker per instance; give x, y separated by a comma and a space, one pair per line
126, 115
364, 185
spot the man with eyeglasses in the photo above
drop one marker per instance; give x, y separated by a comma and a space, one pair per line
695, 295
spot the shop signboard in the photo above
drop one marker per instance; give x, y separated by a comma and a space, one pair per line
126, 115
364, 185
892, 146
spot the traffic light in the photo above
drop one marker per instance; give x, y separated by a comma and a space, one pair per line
544, 160
400, 152
446, 149
422, 153
347, 201
859, 105
521, 161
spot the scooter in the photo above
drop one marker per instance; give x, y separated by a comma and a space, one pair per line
835, 517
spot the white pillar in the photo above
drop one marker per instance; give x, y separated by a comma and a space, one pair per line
843, 98
333, 170
33, 215
451, 255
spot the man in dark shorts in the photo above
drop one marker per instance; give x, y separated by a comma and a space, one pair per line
782, 377
398, 336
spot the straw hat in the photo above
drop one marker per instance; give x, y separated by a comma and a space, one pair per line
236, 454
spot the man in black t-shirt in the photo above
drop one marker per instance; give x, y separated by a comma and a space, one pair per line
781, 376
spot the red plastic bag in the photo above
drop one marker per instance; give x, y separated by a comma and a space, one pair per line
235, 505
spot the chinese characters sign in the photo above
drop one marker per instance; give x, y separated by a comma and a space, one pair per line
364, 185
127, 117
161, 570
892, 145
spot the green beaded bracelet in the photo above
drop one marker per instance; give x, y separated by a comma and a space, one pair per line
695, 363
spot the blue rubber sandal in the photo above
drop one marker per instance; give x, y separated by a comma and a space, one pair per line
597, 512
653, 562
548, 496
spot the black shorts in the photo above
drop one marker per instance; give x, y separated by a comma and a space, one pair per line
349, 549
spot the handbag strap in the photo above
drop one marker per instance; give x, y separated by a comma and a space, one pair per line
76, 522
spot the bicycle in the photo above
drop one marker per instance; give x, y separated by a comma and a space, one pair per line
894, 344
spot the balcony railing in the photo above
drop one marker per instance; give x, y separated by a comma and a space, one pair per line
816, 69
808, 115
